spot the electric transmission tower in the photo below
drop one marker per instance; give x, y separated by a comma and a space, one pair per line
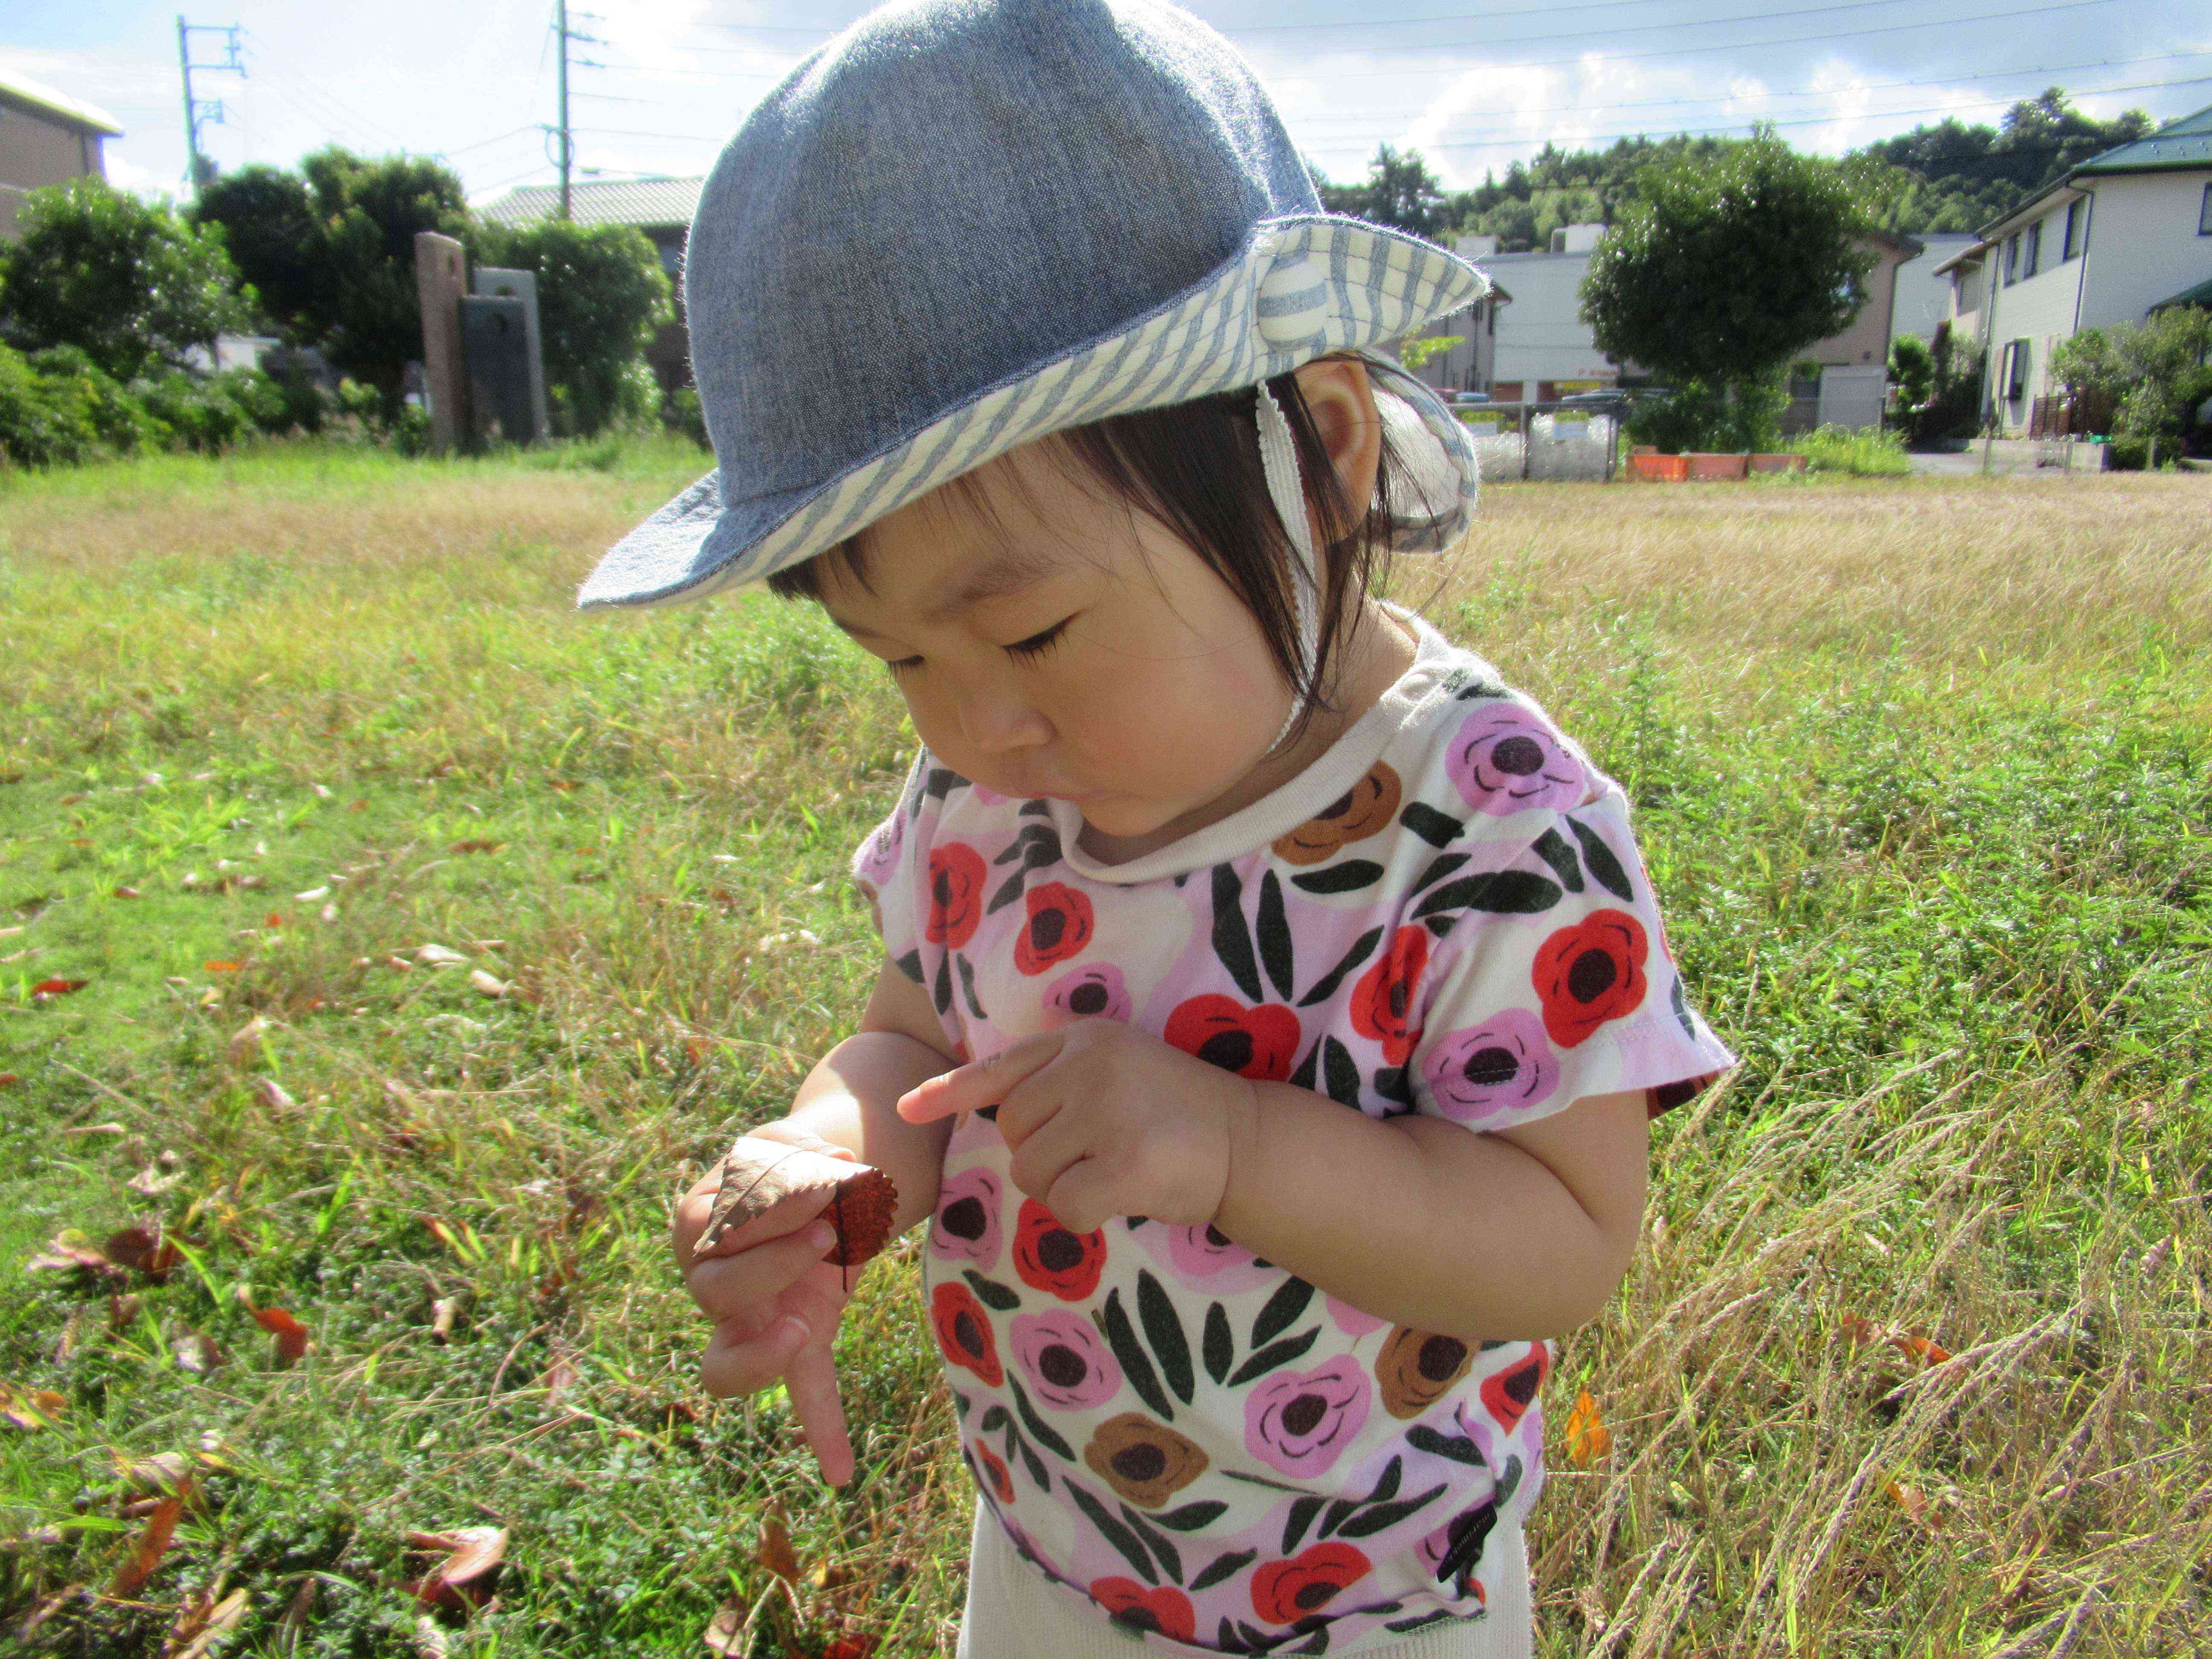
204, 112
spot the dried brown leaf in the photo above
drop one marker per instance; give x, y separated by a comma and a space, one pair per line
151, 1543
758, 1175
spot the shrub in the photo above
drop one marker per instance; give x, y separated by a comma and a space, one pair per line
200, 412
1865, 453
92, 397
259, 397
38, 427
683, 413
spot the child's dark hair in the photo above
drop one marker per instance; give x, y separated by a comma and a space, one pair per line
1195, 466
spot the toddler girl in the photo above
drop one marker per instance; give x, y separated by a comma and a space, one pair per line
1272, 1000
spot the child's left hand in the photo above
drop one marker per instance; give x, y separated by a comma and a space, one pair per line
1103, 1120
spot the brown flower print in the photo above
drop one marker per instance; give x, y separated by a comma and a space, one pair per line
1416, 1369
1145, 1461
1365, 809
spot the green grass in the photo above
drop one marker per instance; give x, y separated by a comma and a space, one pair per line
1863, 453
1921, 769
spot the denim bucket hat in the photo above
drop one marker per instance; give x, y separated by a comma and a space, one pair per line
963, 224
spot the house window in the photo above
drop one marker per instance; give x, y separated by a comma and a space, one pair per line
2033, 251
2016, 370
2012, 259
2077, 227
2204, 214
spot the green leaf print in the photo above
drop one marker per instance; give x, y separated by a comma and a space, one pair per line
1220, 1349
1503, 892
910, 965
1438, 829
1384, 1516
1170, 1557
1363, 948
1164, 1331
1038, 1430
1281, 1312
1348, 877
1278, 1353
1224, 1567
1604, 868
1341, 1071
967, 987
1121, 1337
1561, 857
1442, 868
1274, 931
1115, 1533
992, 1294
1295, 1523
1191, 1516
1458, 1448
1232, 944
942, 992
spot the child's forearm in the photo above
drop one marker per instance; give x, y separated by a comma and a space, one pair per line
848, 1100
1416, 1220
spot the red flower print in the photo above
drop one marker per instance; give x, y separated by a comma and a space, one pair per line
1255, 1043
1382, 1000
1283, 1592
1049, 1257
956, 894
995, 1473
1058, 927
964, 1331
1590, 973
1166, 1609
1507, 1394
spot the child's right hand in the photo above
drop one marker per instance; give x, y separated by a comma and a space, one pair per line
776, 1304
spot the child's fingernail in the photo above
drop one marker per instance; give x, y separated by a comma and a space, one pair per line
799, 1328
821, 1235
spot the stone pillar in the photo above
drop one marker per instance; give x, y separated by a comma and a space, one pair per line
440, 279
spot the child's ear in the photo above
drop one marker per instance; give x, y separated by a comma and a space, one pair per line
1341, 399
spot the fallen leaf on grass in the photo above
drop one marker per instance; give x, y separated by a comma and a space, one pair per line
10, 1080
273, 1095
1920, 1347
152, 1183
463, 1580
560, 1377
151, 1544
486, 983
437, 956
1588, 1438
143, 1247
851, 1647
196, 1352
30, 1408
247, 1042
220, 967
127, 893
203, 1623
725, 1630
758, 1175
273, 920
57, 987
442, 1314
775, 1553
122, 1311
70, 1250
312, 895
108, 1128
291, 1335
478, 845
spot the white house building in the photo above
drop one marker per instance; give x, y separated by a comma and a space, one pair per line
1543, 348
2119, 236
1924, 290
47, 137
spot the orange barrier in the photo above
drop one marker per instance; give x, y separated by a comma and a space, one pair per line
1706, 466
1778, 463
1659, 469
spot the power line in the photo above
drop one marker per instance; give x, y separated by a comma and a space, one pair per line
1832, 92
1550, 11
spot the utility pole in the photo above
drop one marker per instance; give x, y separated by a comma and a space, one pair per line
566, 133
204, 110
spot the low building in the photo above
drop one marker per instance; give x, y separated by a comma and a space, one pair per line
1543, 350
47, 137
662, 208
1922, 302
2122, 235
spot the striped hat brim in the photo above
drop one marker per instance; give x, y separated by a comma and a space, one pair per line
1298, 289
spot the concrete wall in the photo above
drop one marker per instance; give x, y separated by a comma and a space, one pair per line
2143, 243
1541, 336
36, 151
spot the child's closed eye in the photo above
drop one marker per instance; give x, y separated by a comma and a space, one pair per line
1034, 647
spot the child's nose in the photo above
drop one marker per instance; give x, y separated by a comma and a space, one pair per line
995, 721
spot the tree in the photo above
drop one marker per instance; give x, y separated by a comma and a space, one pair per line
269, 225
2154, 374
601, 296
127, 283
1399, 190
1961, 178
1720, 272
1912, 371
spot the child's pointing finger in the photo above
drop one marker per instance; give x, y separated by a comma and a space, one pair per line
982, 1083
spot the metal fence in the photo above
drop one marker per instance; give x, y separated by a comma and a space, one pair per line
1558, 441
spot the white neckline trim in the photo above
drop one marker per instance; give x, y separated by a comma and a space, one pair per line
1340, 766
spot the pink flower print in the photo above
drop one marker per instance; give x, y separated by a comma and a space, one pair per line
1350, 1320
1096, 992
983, 795
1505, 760
967, 1224
1505, 1063
1067, 1363
1206, 1257
1300, 1422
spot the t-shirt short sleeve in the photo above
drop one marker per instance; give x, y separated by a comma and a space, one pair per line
1560, 986
890, 868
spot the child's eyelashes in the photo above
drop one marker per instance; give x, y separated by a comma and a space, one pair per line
1030, 650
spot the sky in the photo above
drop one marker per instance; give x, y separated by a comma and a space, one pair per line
666, 81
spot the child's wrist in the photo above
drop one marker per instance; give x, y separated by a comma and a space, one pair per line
1240, 1130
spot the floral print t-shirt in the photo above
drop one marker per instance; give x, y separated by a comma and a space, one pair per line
1445, 914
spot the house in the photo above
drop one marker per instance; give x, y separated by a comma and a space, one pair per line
2122, 235
1922, 302
1852, 382
47, 137
1543, 349
1467, 366
660, 207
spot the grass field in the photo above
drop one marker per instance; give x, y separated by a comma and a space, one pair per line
1915, 1360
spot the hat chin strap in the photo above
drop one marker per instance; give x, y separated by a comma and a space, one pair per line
1279, 459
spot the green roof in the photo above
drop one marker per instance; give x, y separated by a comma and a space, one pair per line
2186, 142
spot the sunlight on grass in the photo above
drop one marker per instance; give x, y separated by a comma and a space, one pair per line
1913, 1361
